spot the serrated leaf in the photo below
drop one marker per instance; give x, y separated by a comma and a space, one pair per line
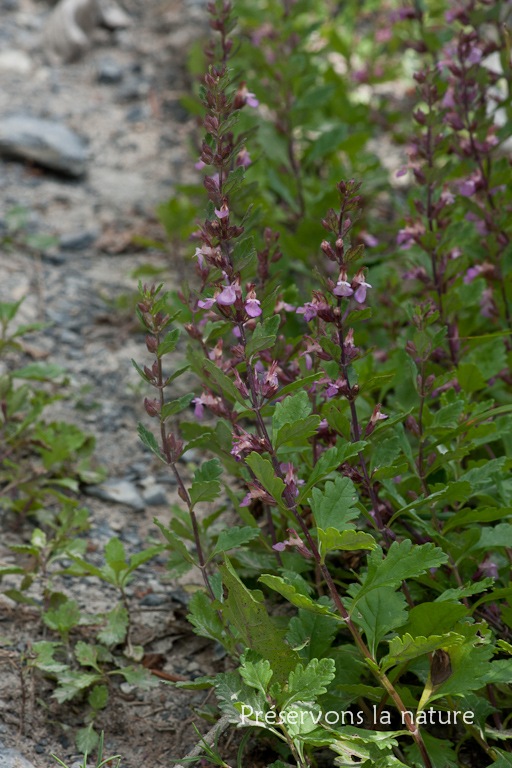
402, 561
149, 440
406, 648
434, 618
310, 682
116, 626
208, 491
87, 655
347, 540
255, 626
138, 676
298, 432
72, 682
209, 470
257, 674
290, 410
335, 506
98, 697
226, 385
173, 540
328, 461
378, 612
278, 584
235, 537
264, 472
314, 632
87, 739
204, 618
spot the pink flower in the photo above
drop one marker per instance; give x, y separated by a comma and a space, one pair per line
308, 310
200, 165
293, 541
251, 100
472, 273
206, 303
252, 304
360, 287
200, 257
243, 158
252, 307
467, 188
199, 407
343, 288
222, 213
227, 296
448, 99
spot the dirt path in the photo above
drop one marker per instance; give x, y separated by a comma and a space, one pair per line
123, 100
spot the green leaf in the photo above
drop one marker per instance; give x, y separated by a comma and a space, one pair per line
264, 472
433, 618
173, 540
470, 378
439, 750
73, 682
298, 432
278, 584
87, 739
149, 440
209, 470
406, 648
257, 674
328, 461
205, 619
226, 385
313, 632
138, 676
347, 540
307, 684
402, 561
176, 406
235, 537
169, 343
39, 372
335, 506
256, 628
116, 626
98, 697
44, 659
208, 491
378, 612
87, 655
290, 410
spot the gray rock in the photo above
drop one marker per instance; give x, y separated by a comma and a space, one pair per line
45, 142
9, 5
11, 758
77, 241
120, 491
133, 88
155, 495
153, 600
109, 73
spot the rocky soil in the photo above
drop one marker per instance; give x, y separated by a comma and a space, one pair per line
122, 99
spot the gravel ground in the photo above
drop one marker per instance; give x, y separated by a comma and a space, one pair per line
122, 99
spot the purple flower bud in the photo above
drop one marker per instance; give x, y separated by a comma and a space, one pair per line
467, 188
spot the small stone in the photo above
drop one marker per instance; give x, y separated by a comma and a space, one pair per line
133, 88
219, 651
193, 666
139, 468
45, 142
39, 749
109, 73
137, 115
77, 241
126, 688
153, 600
11, 758
15, 61
120, 491
155, 495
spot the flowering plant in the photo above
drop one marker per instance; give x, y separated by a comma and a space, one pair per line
358, 449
